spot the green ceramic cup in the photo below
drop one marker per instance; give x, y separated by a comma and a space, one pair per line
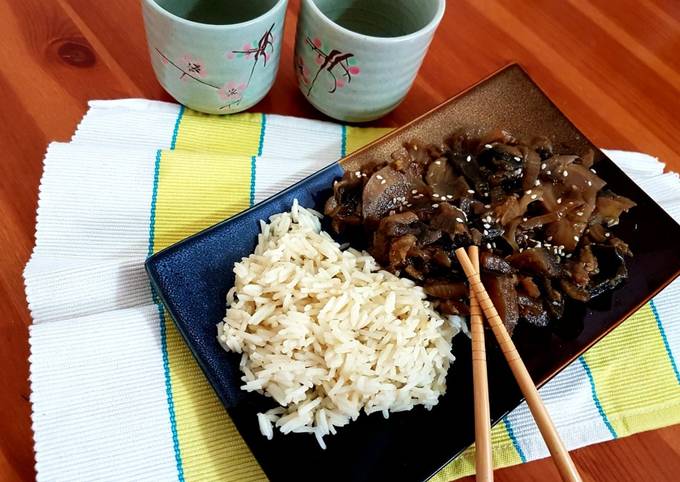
217, 57
356, 59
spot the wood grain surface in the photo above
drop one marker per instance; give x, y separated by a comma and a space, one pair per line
612, 66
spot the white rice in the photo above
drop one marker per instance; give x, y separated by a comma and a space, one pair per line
327, 334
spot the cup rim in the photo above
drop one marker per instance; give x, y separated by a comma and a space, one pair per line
211, 26
431, 25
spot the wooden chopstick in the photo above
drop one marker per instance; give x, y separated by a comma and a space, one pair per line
565, 465
483, 460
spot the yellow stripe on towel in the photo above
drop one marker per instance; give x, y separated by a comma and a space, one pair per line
504, 454
357, 137
236, 134
196, 190
632, 372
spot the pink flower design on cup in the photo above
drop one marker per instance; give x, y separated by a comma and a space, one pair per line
247, 50
231, 93
192, 66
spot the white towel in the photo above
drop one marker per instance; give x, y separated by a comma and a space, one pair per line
98, 374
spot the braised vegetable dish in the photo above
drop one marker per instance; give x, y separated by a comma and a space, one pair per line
542, 220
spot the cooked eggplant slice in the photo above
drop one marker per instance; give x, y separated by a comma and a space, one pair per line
542, 218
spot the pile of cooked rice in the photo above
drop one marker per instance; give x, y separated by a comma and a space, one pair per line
327, 334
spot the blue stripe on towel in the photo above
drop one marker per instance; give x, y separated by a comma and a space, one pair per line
161, 316
665, 340
596, 399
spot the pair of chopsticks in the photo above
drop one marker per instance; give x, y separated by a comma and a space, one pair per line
481, 303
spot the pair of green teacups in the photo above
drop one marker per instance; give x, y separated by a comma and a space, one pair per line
355, 60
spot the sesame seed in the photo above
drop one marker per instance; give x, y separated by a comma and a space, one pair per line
590, 183
574, 187
606, 235
549, 238
414, 191
363, 174
593, 170
488, 146
408, 205
394, 200
559, 200
548, 172
435, 195
486, 232
415, 147
488, 245
561, 246
527, 192
568, 255
534, 196
487, 225
555, 303
468, 158
435, 205
460, 220
493, 244
579, 213
521, 249
571, 202
565, 173
544, 165
537, 182
358, 174
538, 244
438, 163
449, 196
378, 176
517, 158
576, 238
383, 182
471, 191
487, 206
525, 219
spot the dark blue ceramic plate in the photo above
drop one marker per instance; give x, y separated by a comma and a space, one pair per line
193, 276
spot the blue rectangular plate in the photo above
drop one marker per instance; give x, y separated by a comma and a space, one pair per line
193, 276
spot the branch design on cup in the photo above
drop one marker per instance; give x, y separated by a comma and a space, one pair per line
341, 66
189, 67
231, 92
256, 52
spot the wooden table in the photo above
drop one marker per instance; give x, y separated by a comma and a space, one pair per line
612, 66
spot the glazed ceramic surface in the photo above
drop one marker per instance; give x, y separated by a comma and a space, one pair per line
212, 56
193, 276
357, 59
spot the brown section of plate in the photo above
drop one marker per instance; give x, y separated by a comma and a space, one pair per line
507, 98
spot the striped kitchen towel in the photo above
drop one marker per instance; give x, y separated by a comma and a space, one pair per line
116, 395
